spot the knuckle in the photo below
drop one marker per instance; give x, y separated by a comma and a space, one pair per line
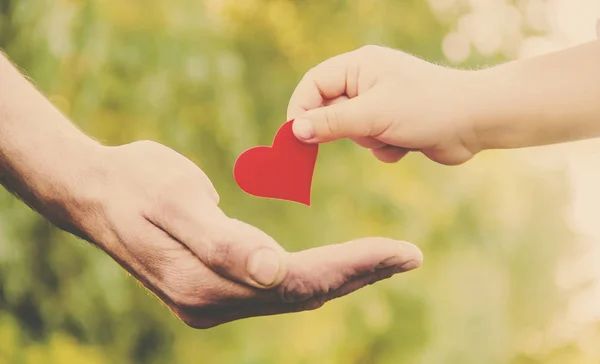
309, 75
147, 144
142, 146
370, 49
171, 193
168, 211
167, 207
312, 74
333, 121
199, 323
218, 255
298, 289
147, 148
295, 289
314, 303
175, 182
171, 196
309, 78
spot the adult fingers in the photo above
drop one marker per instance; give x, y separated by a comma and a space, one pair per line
318, 271
217, 315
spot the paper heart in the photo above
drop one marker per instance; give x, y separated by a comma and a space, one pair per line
283, 171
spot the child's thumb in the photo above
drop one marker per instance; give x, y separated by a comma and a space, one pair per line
350, 118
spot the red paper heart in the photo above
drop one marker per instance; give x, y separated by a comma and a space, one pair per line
283, 171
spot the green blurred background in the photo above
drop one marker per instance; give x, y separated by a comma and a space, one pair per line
211, 78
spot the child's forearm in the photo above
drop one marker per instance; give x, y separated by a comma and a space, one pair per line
544, 100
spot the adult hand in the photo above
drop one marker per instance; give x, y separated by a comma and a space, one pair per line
156, 213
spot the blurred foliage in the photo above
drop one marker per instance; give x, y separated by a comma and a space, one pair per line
211, 78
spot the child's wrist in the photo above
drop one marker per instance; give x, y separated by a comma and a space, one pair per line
495, 108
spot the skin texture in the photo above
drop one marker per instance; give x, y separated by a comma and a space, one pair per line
156, 214
394, 103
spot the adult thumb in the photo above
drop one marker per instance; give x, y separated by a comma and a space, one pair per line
350, 118
244, 253
230, 247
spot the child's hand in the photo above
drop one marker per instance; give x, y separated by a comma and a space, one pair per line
387, 101
393, 103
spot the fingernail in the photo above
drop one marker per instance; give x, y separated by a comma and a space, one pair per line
394, 261
303, 129
263, 266
410, 265
389, 262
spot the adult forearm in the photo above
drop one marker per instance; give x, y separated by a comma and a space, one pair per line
43, 157
544, 100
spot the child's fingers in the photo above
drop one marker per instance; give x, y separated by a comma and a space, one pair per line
365, 142
368, 142
334, 101
346, 119
326, 81
390, 153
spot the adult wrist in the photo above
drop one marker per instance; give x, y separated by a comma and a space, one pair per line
44, 158
65, 191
